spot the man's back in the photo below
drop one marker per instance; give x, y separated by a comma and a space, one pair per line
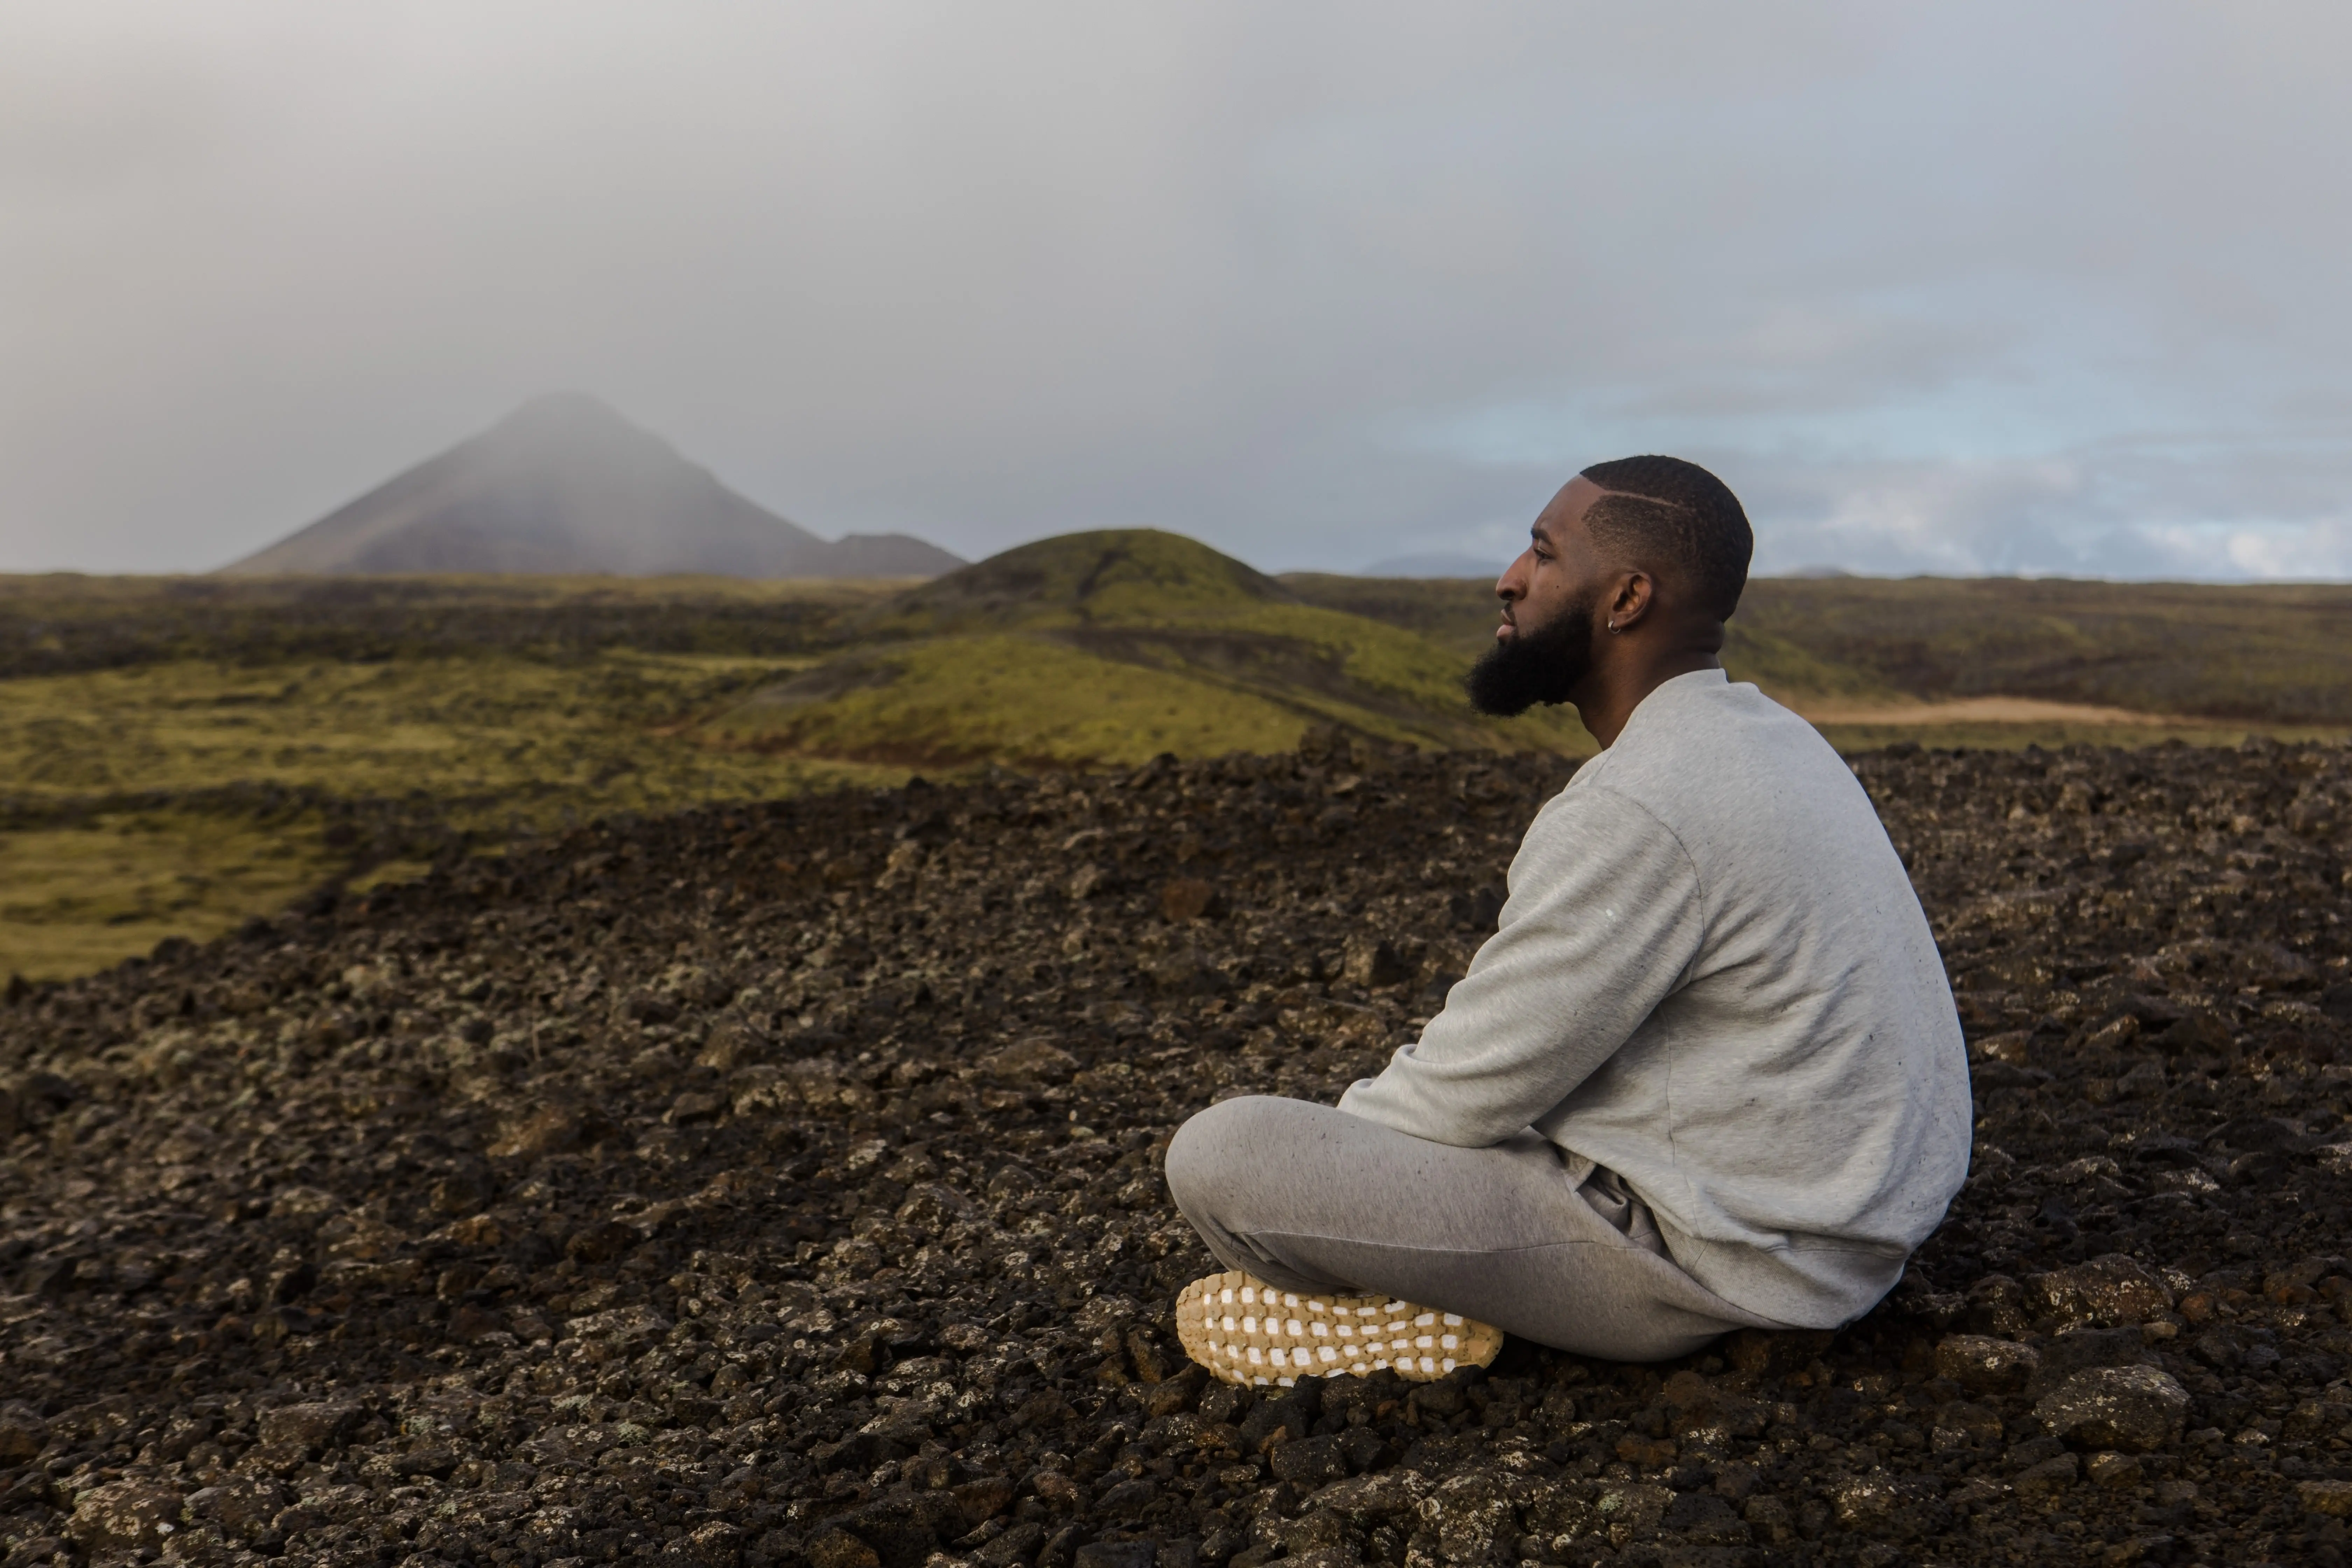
1713, 978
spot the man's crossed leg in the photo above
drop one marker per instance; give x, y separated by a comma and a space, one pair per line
1311, 1199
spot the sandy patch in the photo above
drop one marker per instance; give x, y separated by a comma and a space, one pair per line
1991, 711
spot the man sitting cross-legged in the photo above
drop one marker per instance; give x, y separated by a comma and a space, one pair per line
1706, 1074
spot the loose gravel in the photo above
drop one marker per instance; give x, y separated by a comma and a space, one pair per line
780, 1185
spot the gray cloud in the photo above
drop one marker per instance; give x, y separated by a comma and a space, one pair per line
1992, 288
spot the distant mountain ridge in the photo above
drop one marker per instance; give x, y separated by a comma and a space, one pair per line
1439, 563
564, 484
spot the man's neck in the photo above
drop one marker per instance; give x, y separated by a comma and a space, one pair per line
1616, 690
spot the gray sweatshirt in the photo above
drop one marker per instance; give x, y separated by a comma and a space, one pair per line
1712, 977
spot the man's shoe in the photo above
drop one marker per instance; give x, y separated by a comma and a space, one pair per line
1249, 1333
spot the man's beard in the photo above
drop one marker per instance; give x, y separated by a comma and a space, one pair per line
1540, 665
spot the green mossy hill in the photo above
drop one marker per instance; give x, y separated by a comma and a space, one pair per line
1107, 648
1124, 576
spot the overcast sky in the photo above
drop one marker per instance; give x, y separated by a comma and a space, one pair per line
1959, 288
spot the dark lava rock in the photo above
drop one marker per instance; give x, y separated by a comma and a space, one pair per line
126, 1513
2112, 1290
1310, 1463
1985, 1365
308, 1426
779, 1184
1881, 1504
22, 1434
2132, 1407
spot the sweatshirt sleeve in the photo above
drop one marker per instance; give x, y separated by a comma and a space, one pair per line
1604, 916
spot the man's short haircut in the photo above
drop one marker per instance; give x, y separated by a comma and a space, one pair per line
1681, 510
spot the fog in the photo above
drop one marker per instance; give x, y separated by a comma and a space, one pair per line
1996, 288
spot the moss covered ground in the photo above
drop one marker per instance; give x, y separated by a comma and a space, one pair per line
2230, 660
179, 753
74, 895
180, 796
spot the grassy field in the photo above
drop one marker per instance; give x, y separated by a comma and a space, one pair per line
65, 622
2201, 663
177, 754
489, 736
123, 821
110, 883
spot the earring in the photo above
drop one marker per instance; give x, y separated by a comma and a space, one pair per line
1613, 628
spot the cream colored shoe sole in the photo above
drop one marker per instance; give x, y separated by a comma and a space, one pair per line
1249, 1333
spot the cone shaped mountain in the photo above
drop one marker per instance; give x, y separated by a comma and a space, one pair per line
564, 484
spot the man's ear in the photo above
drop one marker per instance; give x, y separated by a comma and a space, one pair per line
1631, 601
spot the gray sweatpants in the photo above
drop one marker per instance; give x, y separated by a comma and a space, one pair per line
1311, 1198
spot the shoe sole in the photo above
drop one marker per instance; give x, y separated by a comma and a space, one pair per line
1246, 1331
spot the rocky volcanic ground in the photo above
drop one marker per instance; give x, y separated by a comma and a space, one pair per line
780, 1186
